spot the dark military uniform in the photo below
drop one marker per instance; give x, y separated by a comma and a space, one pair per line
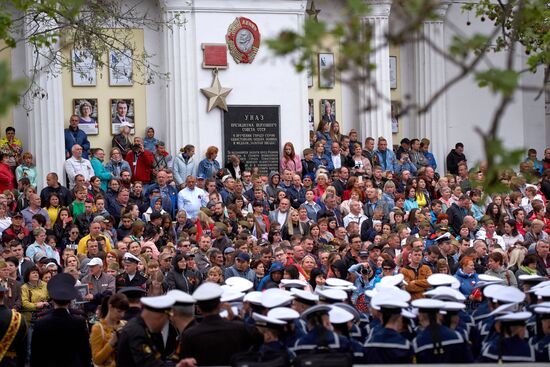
138, 347
507, 349
214, 340
452, 347
387, 346
59, 329
123, 280
16, 354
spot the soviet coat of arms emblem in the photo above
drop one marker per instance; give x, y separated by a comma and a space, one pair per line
243, 40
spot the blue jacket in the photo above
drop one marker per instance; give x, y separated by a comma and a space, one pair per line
76, 137
150, 144
208, 168
267, 282
101, 172
183, 167
169, 196
389, 163
467, 282
324, 161
431, 159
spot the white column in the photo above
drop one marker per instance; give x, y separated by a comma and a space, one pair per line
429, 78
376, 121
180, 47
45, 118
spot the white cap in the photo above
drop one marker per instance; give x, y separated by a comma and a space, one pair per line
437, 280
337, 282
503, 294
94, 261
159, 303
542, 292
253, 297
315, 309
294, 283
283, 313
542, 310
409, 314
445, 293
514, 316
381, 300
453, 306
275, 297
338, 315
444, 236
393, 280
267, 321
224, 314
331, 295
131, 258
207, 291
490, 278
546, 283
350, 309
231, 295
239, 284
399, 294
301, 296
180, 297
505, 308
428, 304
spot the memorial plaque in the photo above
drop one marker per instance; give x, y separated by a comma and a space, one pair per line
253, 133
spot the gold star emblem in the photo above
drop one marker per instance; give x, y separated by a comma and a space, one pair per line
312, 11
216, 94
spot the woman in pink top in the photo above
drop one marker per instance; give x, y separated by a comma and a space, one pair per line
290, 159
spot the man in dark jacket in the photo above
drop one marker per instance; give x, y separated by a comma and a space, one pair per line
59, 327
457, 212
454, 157
273, 279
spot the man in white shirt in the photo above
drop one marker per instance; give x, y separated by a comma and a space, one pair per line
77, 165
191, 198
355, 215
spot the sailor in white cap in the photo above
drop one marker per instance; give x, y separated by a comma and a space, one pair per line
388, 345
342, 320
131, 277
509, 344
275, 297
183, 316
273, 348
356, 332
541, 341
435, 343
140, 341
319, 335
214, 340
288, 284
289, 316
302, 301
331, 295
252, 303
483, 309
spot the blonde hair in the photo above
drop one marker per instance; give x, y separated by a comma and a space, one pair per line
216, 270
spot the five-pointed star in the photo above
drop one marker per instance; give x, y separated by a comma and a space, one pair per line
312, 11
216, 95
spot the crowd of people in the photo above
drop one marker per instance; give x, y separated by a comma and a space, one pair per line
349, 253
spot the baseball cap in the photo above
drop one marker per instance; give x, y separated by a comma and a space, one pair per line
243, 256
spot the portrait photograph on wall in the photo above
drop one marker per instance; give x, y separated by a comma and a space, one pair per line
86, 110
327, 72
84, 71
122, 111
311, 115
328, 110
394, 117
120, 68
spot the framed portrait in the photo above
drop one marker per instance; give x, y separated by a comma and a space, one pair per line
393, 72
311, 115
327, 72
82, 290
394, 117
328, 110
122, 110
86, 109
84, 68
120, 68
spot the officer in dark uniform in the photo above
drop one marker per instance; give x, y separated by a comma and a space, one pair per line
435, 343
273, 347
13, 335
134, 295
60, 329
183, 316
541, 342
140, 341
387, 345
214, 340
509, 344
130, 277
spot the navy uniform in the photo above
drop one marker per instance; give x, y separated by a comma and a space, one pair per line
507, 346
270, 328
318, 337
541, 342
437, 343
339, 318
288, 334
137, 345
214, 340
386, 345
13, 334
127, 280
60, 329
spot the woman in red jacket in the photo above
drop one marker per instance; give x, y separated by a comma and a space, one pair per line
7, 178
